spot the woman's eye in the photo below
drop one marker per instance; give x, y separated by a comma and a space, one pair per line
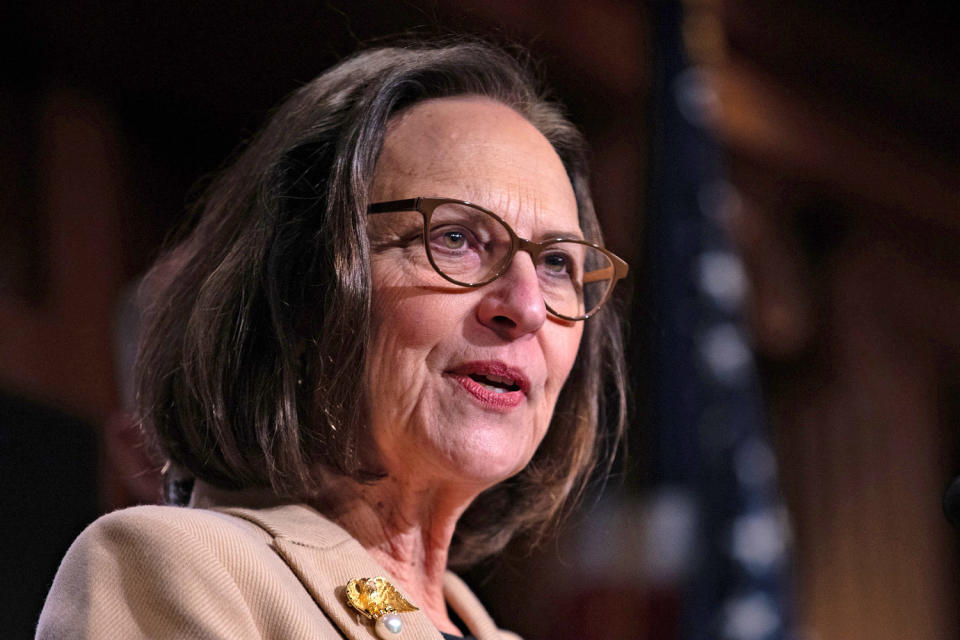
556, 263
453, 239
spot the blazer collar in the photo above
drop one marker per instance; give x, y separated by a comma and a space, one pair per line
325, 557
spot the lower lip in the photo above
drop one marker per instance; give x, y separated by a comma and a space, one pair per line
486, 397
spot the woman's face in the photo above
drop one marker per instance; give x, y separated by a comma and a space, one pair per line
463, 381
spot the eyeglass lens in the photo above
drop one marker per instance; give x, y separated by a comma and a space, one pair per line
471, 247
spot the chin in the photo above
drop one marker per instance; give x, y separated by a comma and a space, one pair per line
494, 452
467, 448
484, 467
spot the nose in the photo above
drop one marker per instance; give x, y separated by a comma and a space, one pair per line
512, 306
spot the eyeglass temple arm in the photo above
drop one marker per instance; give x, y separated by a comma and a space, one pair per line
598, 274
616, 271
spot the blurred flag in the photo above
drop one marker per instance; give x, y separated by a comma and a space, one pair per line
715, 467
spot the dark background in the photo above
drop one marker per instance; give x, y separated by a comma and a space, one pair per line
840, 127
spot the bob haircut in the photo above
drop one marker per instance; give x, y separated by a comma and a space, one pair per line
258, 320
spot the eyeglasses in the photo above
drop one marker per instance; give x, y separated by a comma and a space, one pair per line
471, 246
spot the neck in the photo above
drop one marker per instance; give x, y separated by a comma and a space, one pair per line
406, 528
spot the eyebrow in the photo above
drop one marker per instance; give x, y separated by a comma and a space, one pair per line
479, 198
566, 235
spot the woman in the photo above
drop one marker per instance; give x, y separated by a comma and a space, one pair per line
363, 374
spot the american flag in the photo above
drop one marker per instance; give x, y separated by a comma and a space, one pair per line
713, 457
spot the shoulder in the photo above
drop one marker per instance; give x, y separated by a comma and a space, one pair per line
138, 571
162, 525
185, 519
167, 537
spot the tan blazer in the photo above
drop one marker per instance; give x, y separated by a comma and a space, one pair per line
225, 572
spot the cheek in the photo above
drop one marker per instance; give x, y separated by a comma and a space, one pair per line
408, 323
393, 350
392, 314
405, 316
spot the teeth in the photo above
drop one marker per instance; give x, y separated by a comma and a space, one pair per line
499, 379
494, 389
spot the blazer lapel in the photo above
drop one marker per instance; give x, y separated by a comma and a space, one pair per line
460, 598
325, 557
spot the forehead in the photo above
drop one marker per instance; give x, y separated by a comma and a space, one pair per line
477, 149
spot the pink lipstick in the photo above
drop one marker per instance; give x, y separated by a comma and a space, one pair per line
494, 384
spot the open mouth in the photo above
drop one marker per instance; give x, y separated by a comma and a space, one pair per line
497, 384
492, 382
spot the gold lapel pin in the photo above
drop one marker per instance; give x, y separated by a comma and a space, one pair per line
378, 600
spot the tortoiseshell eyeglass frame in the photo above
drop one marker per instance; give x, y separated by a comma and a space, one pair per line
426, 206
